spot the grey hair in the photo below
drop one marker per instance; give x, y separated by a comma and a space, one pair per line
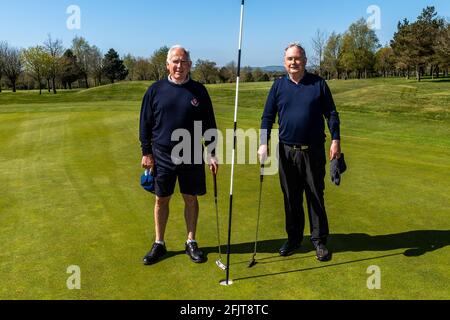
177, 46
298, 46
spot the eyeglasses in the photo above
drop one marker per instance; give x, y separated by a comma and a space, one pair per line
179, 61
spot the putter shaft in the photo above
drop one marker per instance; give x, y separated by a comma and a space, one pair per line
261, 179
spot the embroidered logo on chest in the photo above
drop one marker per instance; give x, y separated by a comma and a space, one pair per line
195, 102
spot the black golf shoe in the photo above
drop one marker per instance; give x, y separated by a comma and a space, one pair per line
288, 248
322, 253
157, 251
194, 252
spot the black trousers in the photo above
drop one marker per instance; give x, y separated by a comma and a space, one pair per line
303, 171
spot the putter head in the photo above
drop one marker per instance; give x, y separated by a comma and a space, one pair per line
252, 263
221, 265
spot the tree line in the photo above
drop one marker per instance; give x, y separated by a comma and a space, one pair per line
51, 66
420, 48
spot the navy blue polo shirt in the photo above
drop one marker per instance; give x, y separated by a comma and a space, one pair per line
167, 106
302, 109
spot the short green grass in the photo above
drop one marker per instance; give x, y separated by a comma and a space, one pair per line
70, 195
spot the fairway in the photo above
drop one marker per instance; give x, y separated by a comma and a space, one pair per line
70, 195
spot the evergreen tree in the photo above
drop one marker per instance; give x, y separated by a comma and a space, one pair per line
113, 67
70, 69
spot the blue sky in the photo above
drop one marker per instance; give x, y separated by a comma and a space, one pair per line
209, 28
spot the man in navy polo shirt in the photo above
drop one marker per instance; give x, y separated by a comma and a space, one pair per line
169, 105
302, 102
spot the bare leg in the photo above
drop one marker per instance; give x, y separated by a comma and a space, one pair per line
191, 214
161, 216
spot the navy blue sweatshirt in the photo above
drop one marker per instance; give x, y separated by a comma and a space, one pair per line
301, 109
167, 106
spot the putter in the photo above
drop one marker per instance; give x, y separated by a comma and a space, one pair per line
261, 178
219, 261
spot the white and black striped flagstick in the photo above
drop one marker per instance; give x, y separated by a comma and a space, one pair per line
227, 281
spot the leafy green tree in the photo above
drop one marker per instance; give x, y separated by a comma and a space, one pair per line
331, 55
414, 43
347, 57
158, 63
401, 46
384, 60
113, 66
425, 31
205, 71
358, 48
442, 47
55, 49
35, 61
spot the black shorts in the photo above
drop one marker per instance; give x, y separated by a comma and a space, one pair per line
191, 177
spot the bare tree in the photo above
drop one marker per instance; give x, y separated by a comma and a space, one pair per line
55, 49
228, 73
3, 48
82, 50
13, 65
130, 63
142, 69
96, 64
318, 45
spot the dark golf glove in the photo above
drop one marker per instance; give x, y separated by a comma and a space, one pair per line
337, 167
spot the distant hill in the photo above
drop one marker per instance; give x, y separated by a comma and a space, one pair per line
281, 68
273, 69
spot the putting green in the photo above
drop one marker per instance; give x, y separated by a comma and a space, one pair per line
70, 195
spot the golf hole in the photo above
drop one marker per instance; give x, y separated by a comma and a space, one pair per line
224, 283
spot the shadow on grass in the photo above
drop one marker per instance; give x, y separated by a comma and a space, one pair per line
328, 265
436, 80
415, 243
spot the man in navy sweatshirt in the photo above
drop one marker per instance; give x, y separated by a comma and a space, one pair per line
302, 101
177, 104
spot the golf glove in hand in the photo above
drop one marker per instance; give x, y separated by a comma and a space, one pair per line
337, 167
